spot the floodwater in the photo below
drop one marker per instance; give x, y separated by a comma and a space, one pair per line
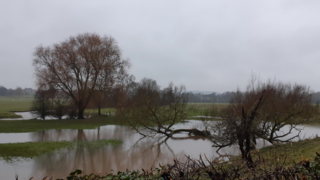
131, 154
134, 153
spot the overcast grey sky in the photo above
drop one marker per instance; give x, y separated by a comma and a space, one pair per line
206, 45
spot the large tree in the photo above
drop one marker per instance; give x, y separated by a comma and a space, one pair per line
79, 66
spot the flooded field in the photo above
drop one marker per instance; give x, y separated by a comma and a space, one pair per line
133, 153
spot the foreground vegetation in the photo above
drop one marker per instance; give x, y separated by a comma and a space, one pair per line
204, 168
10, 151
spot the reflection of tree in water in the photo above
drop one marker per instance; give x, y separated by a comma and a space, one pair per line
134, 153
107, 132
129, 155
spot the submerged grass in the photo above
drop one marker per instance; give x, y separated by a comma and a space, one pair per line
10, 151
17, 126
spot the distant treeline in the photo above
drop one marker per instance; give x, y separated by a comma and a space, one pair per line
226, 96
210, 98
16, 92
193, 97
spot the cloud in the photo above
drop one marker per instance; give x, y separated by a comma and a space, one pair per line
205, 45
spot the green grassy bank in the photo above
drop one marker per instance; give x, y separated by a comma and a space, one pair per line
15, 103
290, 152
10, 151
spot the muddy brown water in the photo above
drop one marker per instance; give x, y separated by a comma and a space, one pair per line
132, 154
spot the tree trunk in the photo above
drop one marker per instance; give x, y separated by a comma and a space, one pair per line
243, 153
99, 110
248, 143
80, 110
80, 114
254, 140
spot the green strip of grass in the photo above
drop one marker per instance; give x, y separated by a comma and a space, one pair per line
10, 151
103, 111
9, 115
201, 109
314, 121
10, 104
14, 103
40, 125
290, 152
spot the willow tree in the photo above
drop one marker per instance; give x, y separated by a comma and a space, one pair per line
79, 66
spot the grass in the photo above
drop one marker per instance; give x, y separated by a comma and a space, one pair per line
204, 109
291, 153
10, 151
314, 121
40, 125
104, 111
10, 104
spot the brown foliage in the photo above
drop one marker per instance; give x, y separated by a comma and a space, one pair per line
79, 66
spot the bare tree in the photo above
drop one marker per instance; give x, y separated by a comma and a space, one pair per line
106, 87
78, 66
270, 111
150, 110
41, 105
61, 103
99, 100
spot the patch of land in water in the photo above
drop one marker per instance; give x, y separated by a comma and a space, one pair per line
10, 151
15, 103
18, 126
